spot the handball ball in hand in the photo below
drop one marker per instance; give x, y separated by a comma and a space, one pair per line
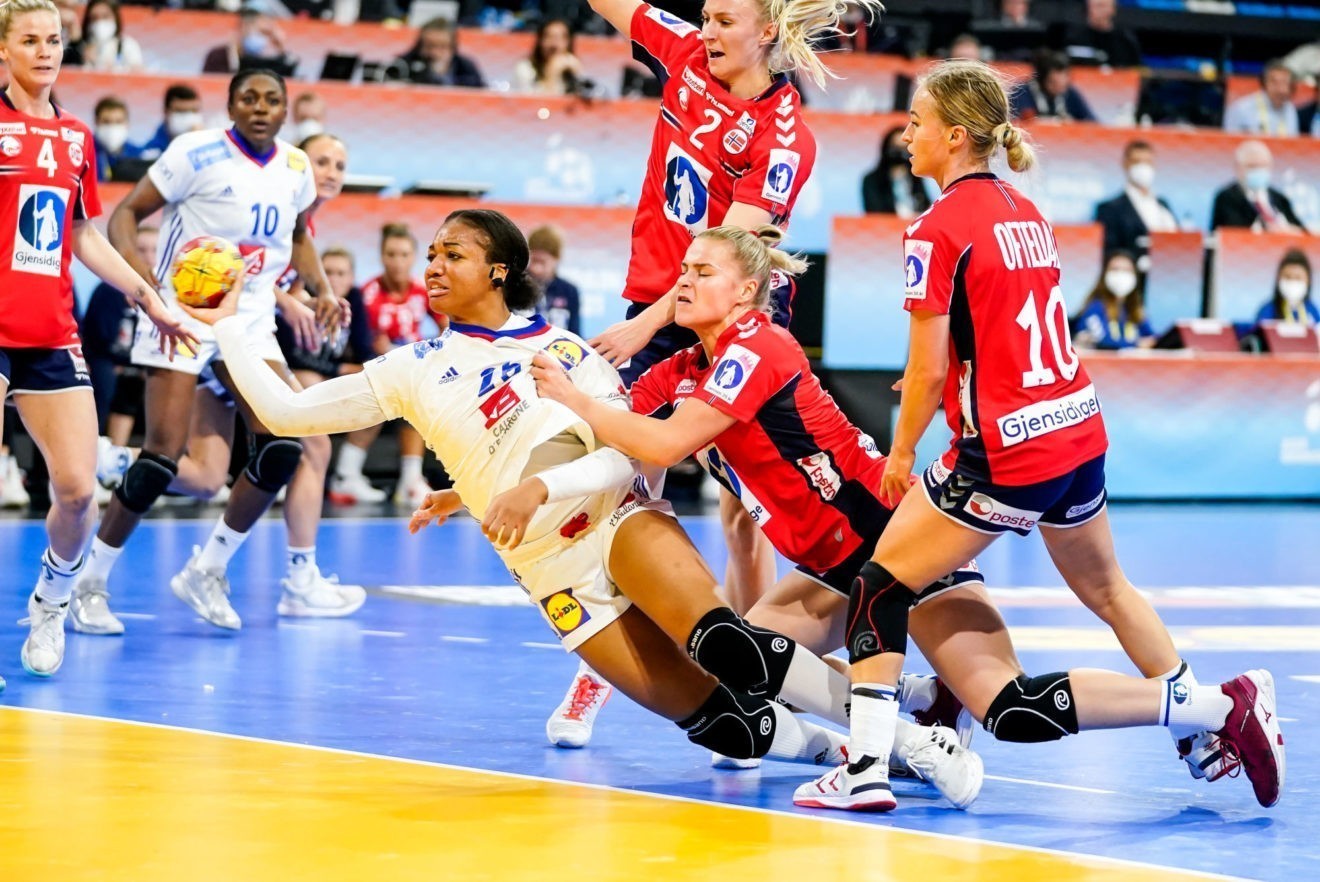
205, 270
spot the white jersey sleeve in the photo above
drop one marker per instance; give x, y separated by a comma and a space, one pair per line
175, 173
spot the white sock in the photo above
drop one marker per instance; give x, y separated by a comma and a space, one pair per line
874, 721
1187, 710
799, 741
351, 460
1181, 674
101, 559
55, 584
916, 692
410, 470
220, 548
302, 565
816, 687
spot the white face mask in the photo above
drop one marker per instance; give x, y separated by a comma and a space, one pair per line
180, 122
113, 136
1120, 283
102, 30
1293, 291
306, 129
1142, 174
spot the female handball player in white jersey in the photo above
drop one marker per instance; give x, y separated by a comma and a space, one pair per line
730, 146
246, 185
49, 186
585, 559
759, 420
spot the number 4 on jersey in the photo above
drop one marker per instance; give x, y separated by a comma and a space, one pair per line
46, 158
1056, 325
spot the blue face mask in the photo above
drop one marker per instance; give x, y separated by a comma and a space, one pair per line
254, 44
1257, 179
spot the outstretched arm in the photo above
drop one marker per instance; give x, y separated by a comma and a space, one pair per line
618, 13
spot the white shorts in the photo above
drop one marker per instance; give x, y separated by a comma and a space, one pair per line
573, 588
146, 346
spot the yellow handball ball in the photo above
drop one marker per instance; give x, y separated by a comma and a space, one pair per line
205, 270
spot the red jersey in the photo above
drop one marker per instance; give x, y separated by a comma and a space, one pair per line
399, 319
709, 150
47, 181
1019, 401
807, 476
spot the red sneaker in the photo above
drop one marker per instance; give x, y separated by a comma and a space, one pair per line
1252, 733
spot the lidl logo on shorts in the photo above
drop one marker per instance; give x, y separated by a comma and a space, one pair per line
39, 242
670, 22
564, 611
779, 178
916, 266
992, 511
569, 353
732, 373
687, 197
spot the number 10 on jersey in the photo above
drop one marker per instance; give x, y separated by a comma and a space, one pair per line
265, 219
1055, 320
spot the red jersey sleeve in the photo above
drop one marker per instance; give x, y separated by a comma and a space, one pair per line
931, 254
782, 161
88, 204
662, 39
650, 394
748, 374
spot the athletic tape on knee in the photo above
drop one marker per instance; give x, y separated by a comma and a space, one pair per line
734, 725
272, 461
145, 481
1030, 710
748, 658
877, 614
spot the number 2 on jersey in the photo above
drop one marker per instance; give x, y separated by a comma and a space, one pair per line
712, 123
1056, 325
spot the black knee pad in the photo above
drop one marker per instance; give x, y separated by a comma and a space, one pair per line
732, 724
748, 658
272, 461
1030, 710
878, 608
146, 479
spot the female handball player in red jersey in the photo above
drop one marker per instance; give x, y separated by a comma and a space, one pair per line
763, 426
585, 559
989, 339
50, 191
730, 146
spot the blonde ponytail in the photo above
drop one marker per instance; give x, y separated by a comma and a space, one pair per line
12, 9
1019, 152
972, 95
758, 256
800, 24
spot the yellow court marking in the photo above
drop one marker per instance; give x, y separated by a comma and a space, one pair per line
86, 798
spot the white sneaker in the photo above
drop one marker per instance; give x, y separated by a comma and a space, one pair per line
354, 490
2, 684
855, 787
43, 650
1206, 757
12, 492
102, 496
412, 494
207, 592
112, 461
955, 771
570, 725
221, 497
89, 609
720, 761
322, 597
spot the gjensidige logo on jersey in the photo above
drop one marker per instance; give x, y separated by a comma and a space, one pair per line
687, 198
916, 265
732, 372
779, 177
39, 239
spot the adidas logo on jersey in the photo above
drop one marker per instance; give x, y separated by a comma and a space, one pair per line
227, 193
449, 376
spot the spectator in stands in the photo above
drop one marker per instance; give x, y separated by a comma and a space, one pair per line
1114, 314
71, 34
1014, 35
104, 44
552, 68
1099, 40
1270, 111
1017, 14
1131, 216
111, 136
560, 303
258, 42
1050, 93
968, 47
1292, 292
308, 116
183, 113
1250, 201
435, 61
890, 187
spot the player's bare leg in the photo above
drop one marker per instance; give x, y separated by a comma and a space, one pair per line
750, 571
204, 468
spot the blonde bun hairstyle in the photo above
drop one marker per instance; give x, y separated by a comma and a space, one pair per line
972, 95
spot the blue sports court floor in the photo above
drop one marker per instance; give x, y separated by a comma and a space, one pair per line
448, 675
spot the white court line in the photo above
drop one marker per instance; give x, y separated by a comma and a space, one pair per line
382, 633
531, 645
1305, 678
143, 616
451, 639
687, 800
1050, 784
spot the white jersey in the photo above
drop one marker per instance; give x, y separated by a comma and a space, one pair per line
471, 396
215, 187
